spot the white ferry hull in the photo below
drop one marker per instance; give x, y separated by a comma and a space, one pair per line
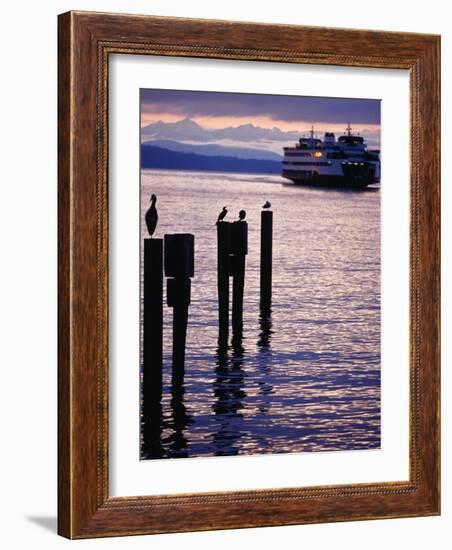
338, 182
354, 176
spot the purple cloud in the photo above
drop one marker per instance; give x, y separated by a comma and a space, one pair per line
277, 107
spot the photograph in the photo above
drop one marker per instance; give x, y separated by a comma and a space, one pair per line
249, 261
260, 274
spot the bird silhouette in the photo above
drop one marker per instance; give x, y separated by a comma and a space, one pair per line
267, 205
242, 215
222, 214
152, 216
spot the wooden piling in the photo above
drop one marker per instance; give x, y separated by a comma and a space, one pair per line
152, 344
179, 265
223, 280
178, 293
239, 249
238, 286
152, 319
179, 255
266, 259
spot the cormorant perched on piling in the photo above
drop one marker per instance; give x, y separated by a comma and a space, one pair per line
267, 205
222, 214
152, 216
242, 215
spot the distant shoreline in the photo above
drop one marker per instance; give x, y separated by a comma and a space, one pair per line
201, 170
159, 158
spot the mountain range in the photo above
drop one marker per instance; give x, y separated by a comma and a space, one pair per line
189, 130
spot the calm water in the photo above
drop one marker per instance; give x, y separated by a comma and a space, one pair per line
308, 377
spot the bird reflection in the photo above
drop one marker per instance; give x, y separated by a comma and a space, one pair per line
229, 394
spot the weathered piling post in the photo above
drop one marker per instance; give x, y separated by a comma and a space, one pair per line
180, 266
223, 230
238, 249
152, 317
152, 337
266, 259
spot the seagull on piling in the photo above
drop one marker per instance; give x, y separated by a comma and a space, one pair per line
151, 216
267, 205
242, 215
222, 214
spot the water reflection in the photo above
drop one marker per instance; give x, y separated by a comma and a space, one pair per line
151, 428
263, 344
229, 395
302, 377
177, 442
265, 329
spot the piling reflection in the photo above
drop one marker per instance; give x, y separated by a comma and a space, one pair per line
152, 426
264, 347
229, 395
166, 437
180, 419
265, 329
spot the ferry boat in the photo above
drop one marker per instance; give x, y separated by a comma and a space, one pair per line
345, 162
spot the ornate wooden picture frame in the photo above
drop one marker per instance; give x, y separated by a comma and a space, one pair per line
86, 40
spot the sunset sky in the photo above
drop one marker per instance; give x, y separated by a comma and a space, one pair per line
252, 120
